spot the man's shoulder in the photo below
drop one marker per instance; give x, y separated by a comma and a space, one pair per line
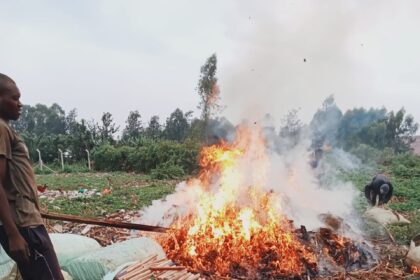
5, 128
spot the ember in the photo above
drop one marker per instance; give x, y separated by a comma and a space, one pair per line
238, 228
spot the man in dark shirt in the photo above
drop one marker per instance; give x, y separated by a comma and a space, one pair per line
379, 191
22, 232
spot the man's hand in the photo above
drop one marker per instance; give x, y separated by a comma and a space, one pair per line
18, 248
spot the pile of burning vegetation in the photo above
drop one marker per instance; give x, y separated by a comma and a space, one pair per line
239, 229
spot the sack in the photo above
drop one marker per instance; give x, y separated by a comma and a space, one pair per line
96, 264
413, 256
6, 264
70, 246
385, 216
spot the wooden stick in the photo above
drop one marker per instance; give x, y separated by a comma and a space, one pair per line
167, 274
185, 276
180, 275
155, 268
105, 223
134, 266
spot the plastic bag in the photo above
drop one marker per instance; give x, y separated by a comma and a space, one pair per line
70, 246
96, 264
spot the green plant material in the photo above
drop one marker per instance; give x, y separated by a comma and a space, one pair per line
167, 171
146, 156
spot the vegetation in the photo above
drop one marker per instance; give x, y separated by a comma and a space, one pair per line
128, 192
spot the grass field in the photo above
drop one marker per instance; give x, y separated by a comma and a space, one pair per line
129, 191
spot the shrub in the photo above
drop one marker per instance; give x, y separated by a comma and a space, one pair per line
147, 156
167, 171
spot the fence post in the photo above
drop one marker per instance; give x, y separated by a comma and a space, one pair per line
62, 159
88, 156
40, 159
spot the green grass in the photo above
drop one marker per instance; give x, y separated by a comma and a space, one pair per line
130, 191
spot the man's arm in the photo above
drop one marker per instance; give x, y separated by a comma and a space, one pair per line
18, 248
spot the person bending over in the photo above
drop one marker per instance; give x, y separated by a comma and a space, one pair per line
379, 191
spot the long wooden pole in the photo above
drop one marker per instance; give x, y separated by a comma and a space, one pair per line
105, 223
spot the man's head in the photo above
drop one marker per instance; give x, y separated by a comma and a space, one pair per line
384, 189
10, 105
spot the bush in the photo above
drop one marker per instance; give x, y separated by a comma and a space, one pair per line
109, 158
147, 156
75, 168
167, 171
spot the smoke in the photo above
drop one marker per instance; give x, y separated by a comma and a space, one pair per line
291, 54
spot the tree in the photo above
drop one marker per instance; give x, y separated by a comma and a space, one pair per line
154, 129
400, 130
133, 128
80, 140
361, 126
291, 128
325, 123
208, 89
71, 122
107, 129
177, 126
41, 119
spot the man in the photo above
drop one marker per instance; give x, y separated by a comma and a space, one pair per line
379, 191
22, 233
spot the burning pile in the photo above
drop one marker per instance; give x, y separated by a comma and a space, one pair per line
238, 228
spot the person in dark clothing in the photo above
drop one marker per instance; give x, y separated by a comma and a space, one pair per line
22, 232
379, 191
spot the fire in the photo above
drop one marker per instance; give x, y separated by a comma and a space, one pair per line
415, 269
237, 228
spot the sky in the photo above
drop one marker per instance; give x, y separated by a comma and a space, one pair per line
273, 56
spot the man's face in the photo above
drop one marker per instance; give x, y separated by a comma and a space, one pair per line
10, 106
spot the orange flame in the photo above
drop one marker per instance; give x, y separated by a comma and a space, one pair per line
415, 269
238, 228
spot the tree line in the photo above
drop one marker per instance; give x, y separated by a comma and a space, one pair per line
146, 146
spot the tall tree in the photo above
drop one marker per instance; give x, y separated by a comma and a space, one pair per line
400, 131
133, 128
325, 122
291, 128
208, 89
107, 128
177, 126
154, 129
80, 140
362, 126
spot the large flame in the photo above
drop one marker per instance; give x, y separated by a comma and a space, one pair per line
237, 227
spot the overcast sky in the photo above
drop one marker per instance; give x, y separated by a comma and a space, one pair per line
117, 56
